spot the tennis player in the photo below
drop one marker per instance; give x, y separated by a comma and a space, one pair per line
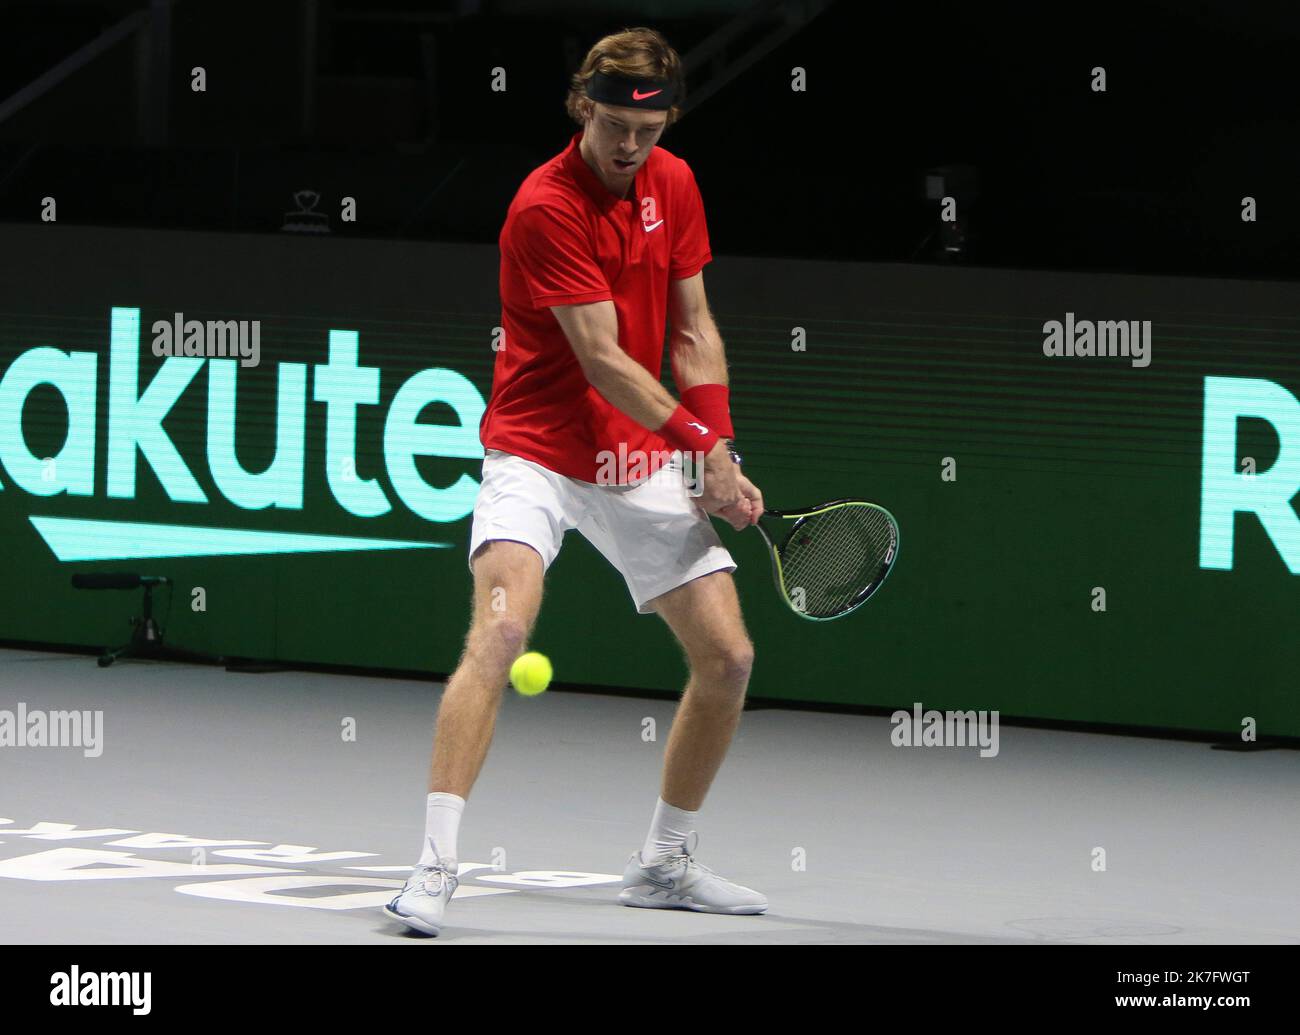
600, 245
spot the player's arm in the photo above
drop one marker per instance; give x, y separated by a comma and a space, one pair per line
700, 370
592, 330
695, 346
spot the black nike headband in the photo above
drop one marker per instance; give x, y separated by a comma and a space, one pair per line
631, 91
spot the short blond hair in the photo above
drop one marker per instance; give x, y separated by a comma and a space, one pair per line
639, 52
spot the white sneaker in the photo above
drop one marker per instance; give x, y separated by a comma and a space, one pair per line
679, 882
422, 902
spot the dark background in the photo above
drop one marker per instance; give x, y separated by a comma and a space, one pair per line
390, 103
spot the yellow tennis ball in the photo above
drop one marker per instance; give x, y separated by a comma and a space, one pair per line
531, 673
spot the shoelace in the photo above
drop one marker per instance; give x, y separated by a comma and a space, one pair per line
429, 874
436, 867
687, 853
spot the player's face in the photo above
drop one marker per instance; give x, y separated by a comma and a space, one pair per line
620, 139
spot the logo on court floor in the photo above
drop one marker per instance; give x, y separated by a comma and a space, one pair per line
246, 871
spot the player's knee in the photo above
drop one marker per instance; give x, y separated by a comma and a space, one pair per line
738, 658
731, 664
502, 637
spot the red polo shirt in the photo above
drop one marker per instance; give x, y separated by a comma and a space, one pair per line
566, 241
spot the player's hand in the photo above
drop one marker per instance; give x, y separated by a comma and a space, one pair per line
727, 493
718, 483
749, 509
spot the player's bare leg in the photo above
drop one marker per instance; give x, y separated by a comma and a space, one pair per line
507, 595
704, 615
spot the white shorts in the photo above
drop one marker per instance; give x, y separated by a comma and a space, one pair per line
654, 533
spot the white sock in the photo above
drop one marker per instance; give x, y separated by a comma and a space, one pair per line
669, 830
441, 825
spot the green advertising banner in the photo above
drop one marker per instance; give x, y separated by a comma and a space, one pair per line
1095, 476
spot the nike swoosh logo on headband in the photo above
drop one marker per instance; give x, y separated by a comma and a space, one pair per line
637, 95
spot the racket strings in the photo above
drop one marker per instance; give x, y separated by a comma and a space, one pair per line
832, 558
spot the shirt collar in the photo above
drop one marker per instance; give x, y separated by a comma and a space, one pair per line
589, 181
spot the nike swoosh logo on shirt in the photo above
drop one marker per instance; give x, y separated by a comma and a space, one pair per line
637, 95
647, 227
703, 429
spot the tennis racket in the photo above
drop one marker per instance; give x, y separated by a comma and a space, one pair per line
830, 559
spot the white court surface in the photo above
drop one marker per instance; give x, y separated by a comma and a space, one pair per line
230, 808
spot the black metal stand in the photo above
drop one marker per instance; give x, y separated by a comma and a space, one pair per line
147, 639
